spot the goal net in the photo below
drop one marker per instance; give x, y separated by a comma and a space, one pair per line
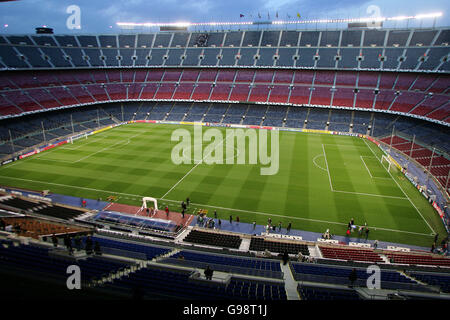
389, 164
78, 136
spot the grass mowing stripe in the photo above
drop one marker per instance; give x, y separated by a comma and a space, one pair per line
192, 169
211, 206
365, 165
299, 191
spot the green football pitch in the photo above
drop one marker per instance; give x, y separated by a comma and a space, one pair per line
323, 181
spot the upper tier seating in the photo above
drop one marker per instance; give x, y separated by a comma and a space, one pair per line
357, 49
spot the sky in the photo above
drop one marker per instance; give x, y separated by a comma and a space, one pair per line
100, 16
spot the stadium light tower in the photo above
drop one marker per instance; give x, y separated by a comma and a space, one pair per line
131, 25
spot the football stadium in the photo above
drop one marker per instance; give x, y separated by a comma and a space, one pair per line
253, 161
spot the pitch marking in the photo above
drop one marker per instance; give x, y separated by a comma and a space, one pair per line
403, 191
210, 206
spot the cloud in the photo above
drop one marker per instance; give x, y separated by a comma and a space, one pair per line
98, 15
280, 4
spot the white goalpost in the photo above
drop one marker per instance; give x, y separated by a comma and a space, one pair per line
152, 200
390, 164
76, 137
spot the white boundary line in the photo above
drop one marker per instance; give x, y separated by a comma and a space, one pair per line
352, 192
366, 166
362, 158
434, 232
328, 170
210, 206
43, 153
342, 145
106, 148
314, 161
43, 158
83, 144
371, 194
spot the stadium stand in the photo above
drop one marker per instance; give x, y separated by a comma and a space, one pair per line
41, 208
214, 239
319, 293
417, 259
340, 275
262, 244
224, 263
330, 88
150, 252
36, 259
350, 254
175, 284
34, 228
435, 279
352, 81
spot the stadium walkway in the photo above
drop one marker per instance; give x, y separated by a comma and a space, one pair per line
289, 282
240, 227
247, 228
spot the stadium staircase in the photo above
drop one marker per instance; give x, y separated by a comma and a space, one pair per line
314, 252
290, 284
374, 294
245, 245
137, 265
183, 234
167, 255
415, 280
385, 259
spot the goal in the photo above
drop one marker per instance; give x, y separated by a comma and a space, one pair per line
388, 163
78, 136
